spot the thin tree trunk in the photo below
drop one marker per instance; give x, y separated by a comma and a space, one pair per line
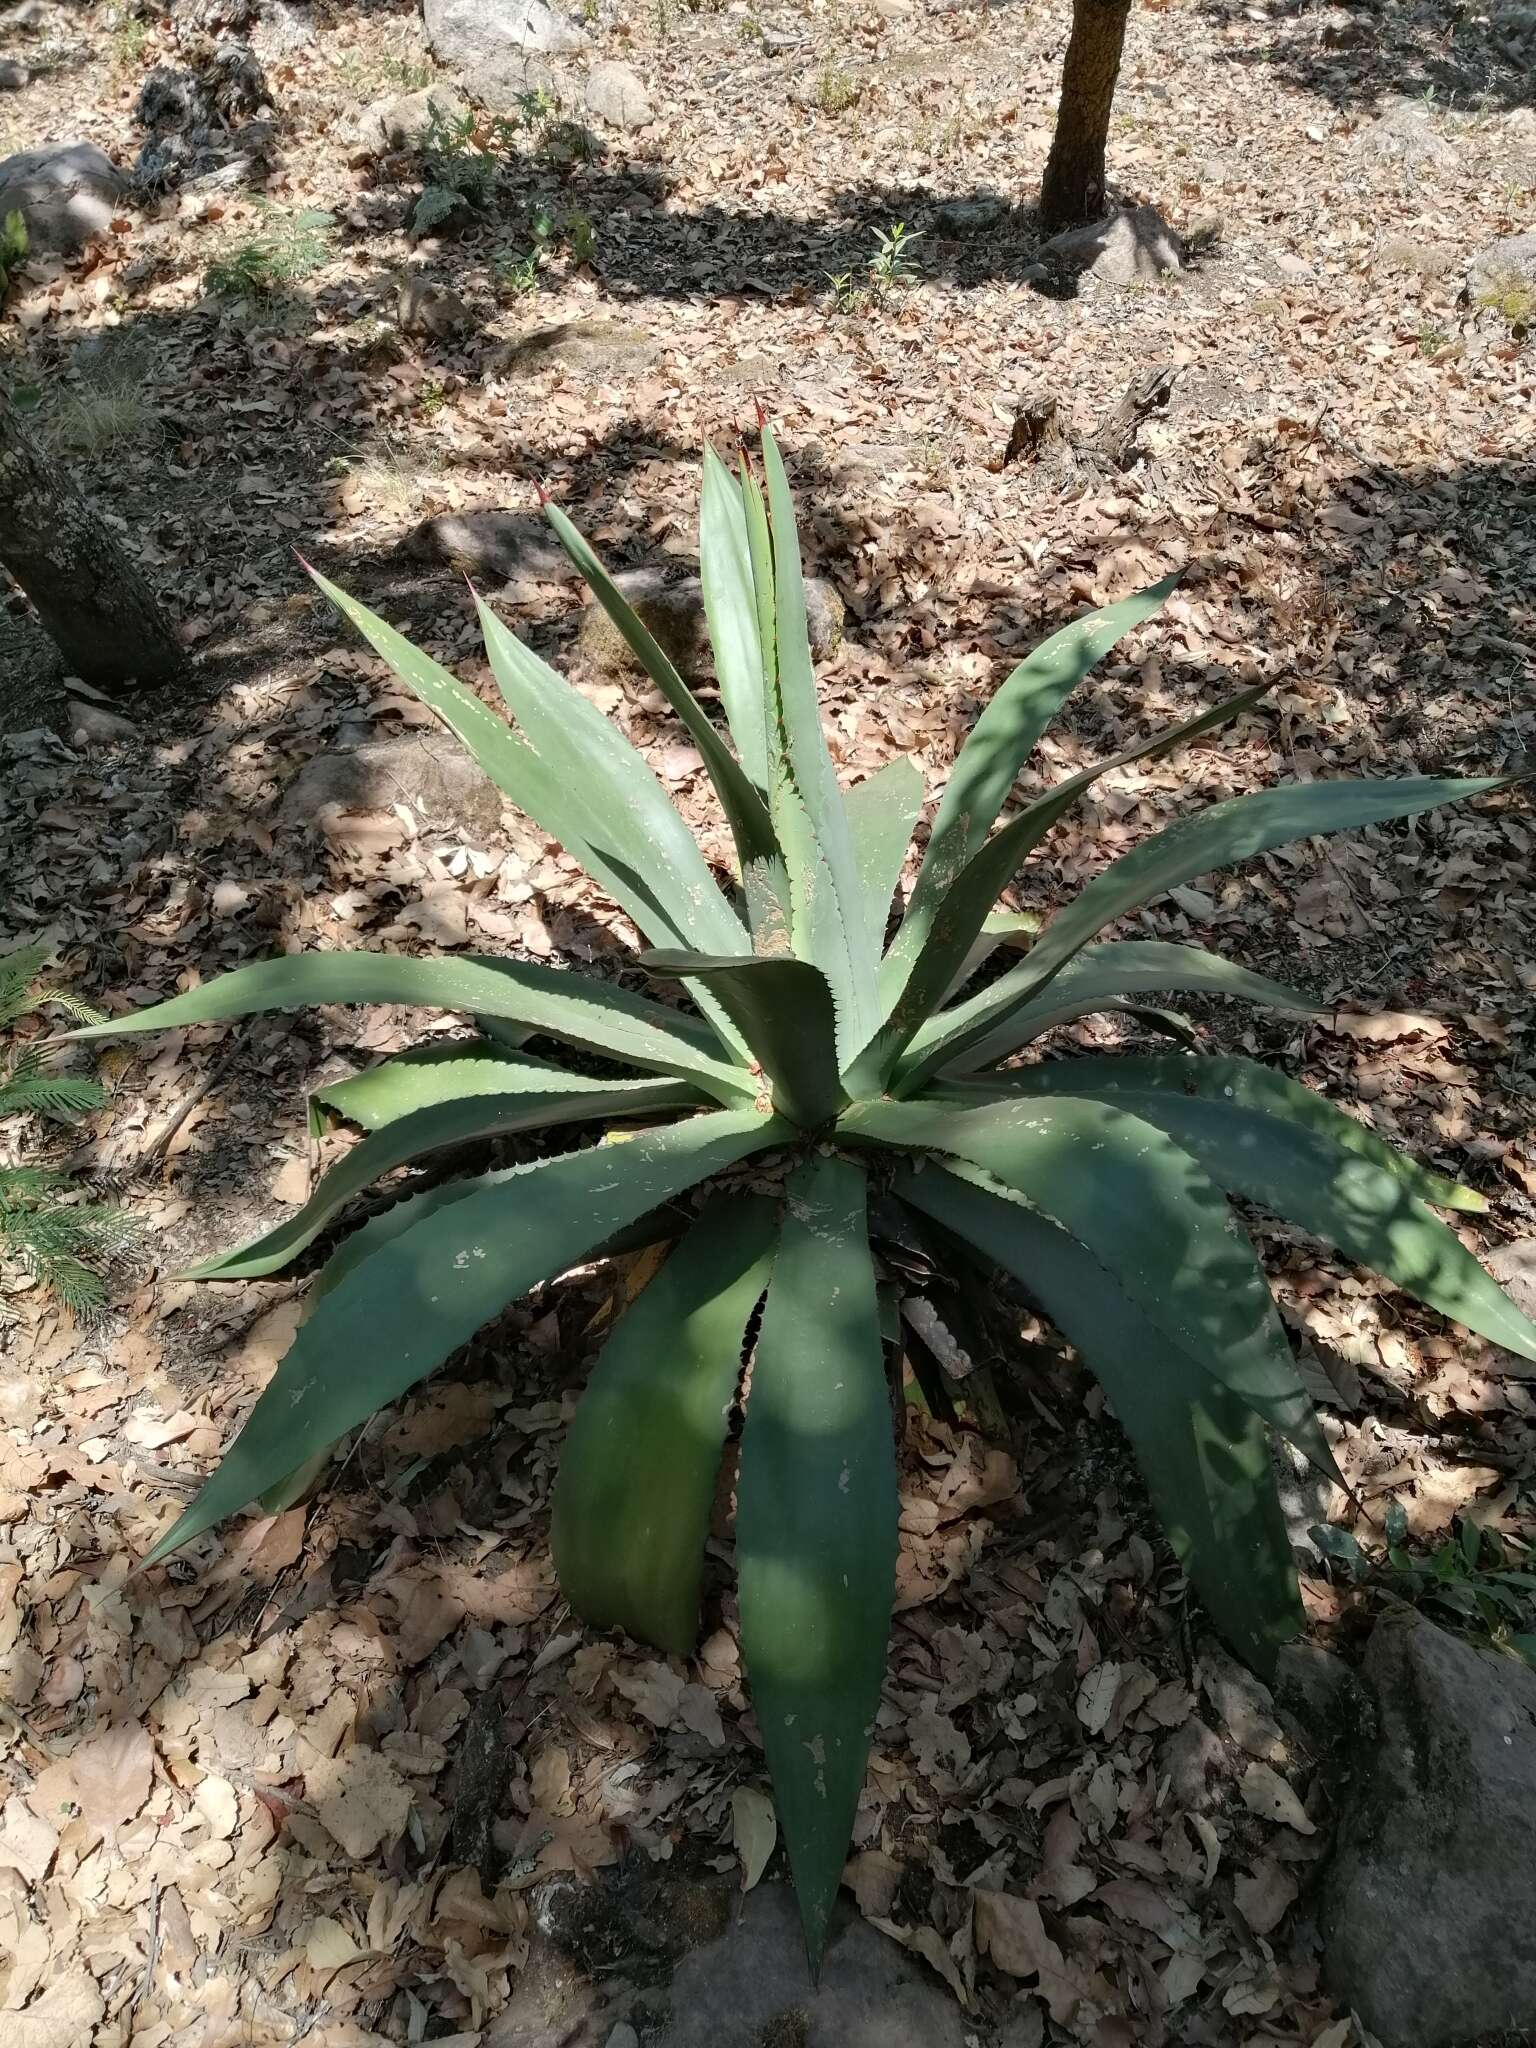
94, 605
1072, 189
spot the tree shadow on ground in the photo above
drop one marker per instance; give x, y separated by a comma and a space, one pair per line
1360, 55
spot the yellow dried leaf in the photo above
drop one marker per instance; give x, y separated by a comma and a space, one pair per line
755, 1830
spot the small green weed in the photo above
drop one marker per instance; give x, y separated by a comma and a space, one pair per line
127, 38
291, 247
515, 277
411, 74
836, 91
1473, 1578
580, 237
1431, 340
888, 271
430, 398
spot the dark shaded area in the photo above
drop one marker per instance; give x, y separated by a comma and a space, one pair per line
1361, 54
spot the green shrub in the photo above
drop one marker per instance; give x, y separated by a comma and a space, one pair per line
860, 1080
290, 248
47, 1234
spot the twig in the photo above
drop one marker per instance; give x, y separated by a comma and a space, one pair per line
157, 1146
152, 1952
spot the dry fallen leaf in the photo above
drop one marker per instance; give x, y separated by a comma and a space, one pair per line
1012, 1932
107, 1777
754, 1830
1266, 1793
359, 1799
1380, 1027
62, 2017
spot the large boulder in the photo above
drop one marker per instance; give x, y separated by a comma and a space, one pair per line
1135, 242
401, 120
752, 1987
67, 193
1429, 1907
495, 47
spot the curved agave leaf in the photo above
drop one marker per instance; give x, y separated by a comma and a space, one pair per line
827, 919
999, 744
400, 1312
1145, 1210
445, 1072
743, 805
638, 1473
551, 1000
816, 1526
1315, 1176
432, 1129
1204, 1454
921, 985
783, 1009
882, 811
1099, 977
730, 605
1217, 837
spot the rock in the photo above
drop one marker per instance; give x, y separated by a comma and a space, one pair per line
1429, 1905
1136, 242
485, 544
1193, 1761
616, 95
1405, 134
1296, 268
970, 216
1508, 265
494, 46
673, 614
13, 76
86, 725
67, 192
623, 2036
751, 1988
582, 345
281, 31
432, 309
431, 772
1318, 1697
401, 120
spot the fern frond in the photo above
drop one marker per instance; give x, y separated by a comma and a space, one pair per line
18, 971
30, 1089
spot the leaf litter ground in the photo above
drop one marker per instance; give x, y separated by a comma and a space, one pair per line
356, 1774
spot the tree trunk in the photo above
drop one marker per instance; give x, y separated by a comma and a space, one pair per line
94, 605
1072, 189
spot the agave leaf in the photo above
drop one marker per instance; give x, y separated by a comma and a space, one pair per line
1099, 976
1218, 837
639, 1469
625, 808
564, 1005
1145, 1210
961, 916
828, 924
432, 1129
743, 805
1315, 1172
882, 810
783, 1009
1203, 1453
730, 605
999, 744
1244, 1083
816, 1526
404, 1309
444, 1072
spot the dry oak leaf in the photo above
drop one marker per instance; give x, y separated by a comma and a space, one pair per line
27, 1841
755, 1830
62, 2017
1266, 1793
1380, 1027
359, 1799
1012, 1932
107, 1777
1266, 1896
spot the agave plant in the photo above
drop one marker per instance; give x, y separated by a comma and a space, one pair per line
861, 1078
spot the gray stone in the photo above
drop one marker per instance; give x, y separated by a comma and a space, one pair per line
1429, 1906
1405, 134
401, 120
281, 31
1504, 265
1318, 1697
673, 614
429, 771
1194, 1762
1296, 268
484, 544
67, 192
752, 1987
494, 46
623, 2036
616, 95
1136, 242
13, 76
970, 216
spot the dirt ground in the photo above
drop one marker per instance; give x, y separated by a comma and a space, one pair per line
330, 1778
